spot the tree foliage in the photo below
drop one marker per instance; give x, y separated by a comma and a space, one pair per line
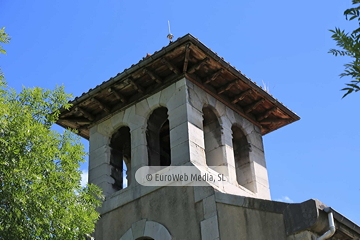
40, 192
349, 44
4, 38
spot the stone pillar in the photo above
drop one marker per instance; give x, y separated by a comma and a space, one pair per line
229, 154
210, 225
258, 165
139, 153
99, 162
187, 141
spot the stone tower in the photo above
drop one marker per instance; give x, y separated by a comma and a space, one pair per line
183, 105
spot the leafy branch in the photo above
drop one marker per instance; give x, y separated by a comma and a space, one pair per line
349, 44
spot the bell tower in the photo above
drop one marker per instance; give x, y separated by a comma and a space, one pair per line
181, 106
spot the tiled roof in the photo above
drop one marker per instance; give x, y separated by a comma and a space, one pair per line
186, 57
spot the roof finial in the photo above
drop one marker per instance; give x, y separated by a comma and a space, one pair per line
169, 36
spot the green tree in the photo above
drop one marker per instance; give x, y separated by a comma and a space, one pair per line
349, 46
4, 38
40, 192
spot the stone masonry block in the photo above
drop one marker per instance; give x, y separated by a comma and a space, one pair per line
211, 142
245, 174
202, 192
154, 100
194, 116
101, 170
178, 98
229, 155
257, 156
197, 154
156, 231
106, 188
229, 199
220, 108
201, 95
251, 186
167, 93
215, 157
190, 84
177, 116
117, 120
116, 199
98, 140
261, 174
138, 137
305, 235
142, 108
180, 154
210, 229
209, 206
247, 127
181, 83
239, 120
129, 112
93, 130
211, 100
136, 121
179, 134
231, 174
225, 122
99, 156
257, 129
196, 135
139, 156
128, 235
195, 101
230, 115
133, 182
263, 192
103, 178
256, 140
226, 137
138, 228
105, 128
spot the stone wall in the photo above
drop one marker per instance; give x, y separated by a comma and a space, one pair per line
172, 207
185, 103
197, 213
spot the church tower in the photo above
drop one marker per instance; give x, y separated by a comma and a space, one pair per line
182, 106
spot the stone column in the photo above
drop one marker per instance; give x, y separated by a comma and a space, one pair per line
187, 139
99, 162
258, 165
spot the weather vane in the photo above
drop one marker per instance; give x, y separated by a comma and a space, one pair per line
169, 36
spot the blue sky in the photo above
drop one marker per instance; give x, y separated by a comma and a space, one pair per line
281, 43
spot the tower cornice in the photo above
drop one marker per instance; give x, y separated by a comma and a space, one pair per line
185, 57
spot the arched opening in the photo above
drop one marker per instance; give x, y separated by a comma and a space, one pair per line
241, 149
158, 138
212, 138
149, 230
120, 158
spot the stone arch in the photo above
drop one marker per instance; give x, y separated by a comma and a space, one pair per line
120, 155
117, 121
147, 230
150, 110
212, 137
158, 138
214, 111
241, 149
228, 117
